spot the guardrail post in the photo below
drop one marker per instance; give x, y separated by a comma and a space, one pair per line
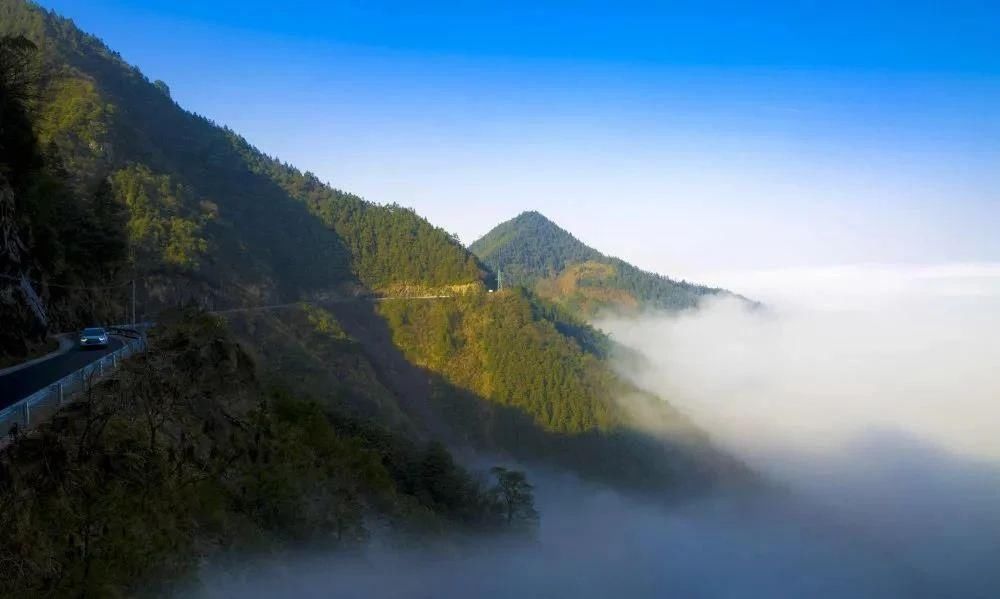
66, 387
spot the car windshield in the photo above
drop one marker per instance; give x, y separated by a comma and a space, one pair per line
93, 331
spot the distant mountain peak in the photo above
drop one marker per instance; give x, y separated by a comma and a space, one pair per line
537, 253
535, 218
531, 238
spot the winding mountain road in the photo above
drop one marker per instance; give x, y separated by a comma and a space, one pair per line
16, 385
20, 383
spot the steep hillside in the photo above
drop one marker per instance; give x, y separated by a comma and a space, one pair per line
516, 374
184, 455
196, 214
42, 214
209, 217
536, 253
534, 247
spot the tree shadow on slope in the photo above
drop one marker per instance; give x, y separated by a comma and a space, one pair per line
624, 458
305, 350
270, 246
266, 245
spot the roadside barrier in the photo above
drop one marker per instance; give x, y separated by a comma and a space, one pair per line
43, 403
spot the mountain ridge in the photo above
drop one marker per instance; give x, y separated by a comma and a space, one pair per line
200, 218
212, 220
535, 252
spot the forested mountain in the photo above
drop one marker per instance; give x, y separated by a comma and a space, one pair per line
104, 179
185, 455
209, 217
518, 374
195, 213
536, 253
42, 212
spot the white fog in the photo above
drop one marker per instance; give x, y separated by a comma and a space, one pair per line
873, 410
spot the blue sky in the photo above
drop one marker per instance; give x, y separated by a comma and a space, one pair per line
692, 139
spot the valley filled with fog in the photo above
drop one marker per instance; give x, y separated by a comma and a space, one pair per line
519, 299
870, 393
865, 395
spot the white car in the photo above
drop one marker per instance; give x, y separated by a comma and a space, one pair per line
93, 337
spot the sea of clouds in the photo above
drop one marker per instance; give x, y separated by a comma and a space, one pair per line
870, 395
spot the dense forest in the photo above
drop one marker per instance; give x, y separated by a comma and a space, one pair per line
389, 245
196, 214
185, 455
208, 217
47, 269
516, 374
301, 423
536, 253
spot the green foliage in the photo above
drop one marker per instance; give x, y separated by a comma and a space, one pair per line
164, 227
534, 249
516, 496
183, 455
108, 238
306, 349
163, 87
75, 118
390, 245
206, 215
54, 228
277, 234
107, 118
508, 348
513, 373
21, 155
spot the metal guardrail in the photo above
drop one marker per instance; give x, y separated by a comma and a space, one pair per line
45, 402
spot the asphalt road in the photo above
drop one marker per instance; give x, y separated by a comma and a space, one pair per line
17, 385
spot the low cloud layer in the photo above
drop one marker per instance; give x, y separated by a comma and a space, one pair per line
872, 393
837, 353
874, 409
595, 544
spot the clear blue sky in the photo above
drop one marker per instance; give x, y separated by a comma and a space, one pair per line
690, 139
